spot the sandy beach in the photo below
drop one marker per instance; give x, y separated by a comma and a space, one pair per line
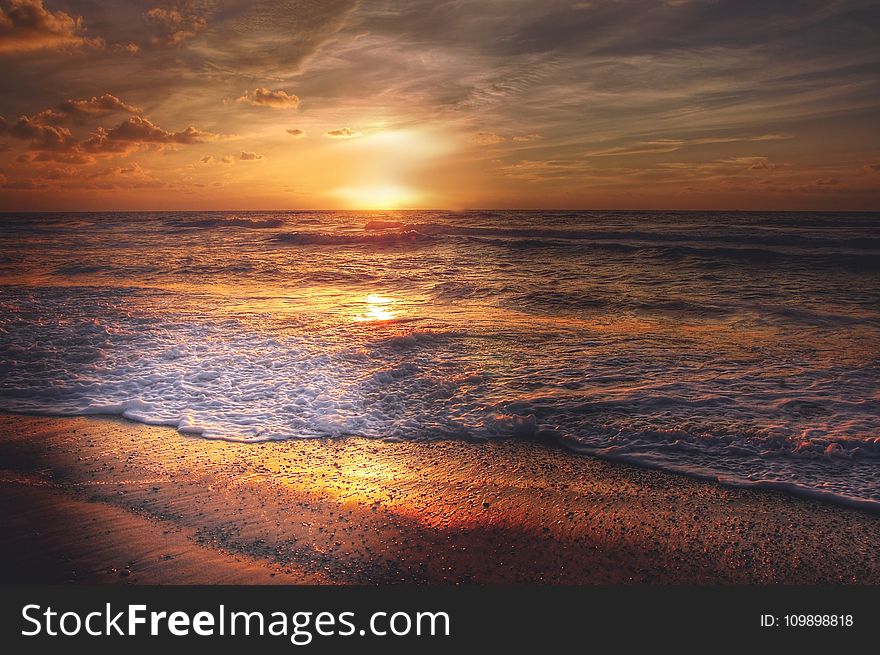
101, 500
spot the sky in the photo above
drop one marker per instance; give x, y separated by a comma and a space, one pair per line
296, 104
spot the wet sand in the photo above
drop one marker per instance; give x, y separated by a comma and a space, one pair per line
102, 500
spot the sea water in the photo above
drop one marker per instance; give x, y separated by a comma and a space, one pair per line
743, 347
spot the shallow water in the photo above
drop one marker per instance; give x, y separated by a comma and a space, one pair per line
742, 346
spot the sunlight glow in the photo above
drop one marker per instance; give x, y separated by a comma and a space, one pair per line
377, 197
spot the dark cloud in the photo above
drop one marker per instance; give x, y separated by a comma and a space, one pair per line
265, 37
56, 142
27, 25
41, 135
81, 110
612, 27
296, 132
136, 132
250, 156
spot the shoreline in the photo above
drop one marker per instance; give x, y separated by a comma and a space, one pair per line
106, 500
794, 490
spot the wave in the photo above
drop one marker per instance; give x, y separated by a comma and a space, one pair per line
114, 269
385, 225
377, 239
228, 222
702, 248
790, 487
857, 242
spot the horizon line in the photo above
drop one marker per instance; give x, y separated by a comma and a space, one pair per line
438, 209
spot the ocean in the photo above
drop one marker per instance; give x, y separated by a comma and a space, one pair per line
742, 347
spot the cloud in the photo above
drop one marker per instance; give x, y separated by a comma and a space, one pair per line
207, 159
342, 133
261, 39
228, 159
250, 156
25, 184
547, 170
103, 104
26, 25
524, 138
44, 128
263, 97
832, 186
138, 131
78, 110
175, 25
487, 138
664, 145
296, 133
55, 142
75, 157
634, 76
131, 47
41, 136
121, 177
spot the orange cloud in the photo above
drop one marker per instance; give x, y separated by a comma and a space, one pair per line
27, 25
263, 97
106, 103
528, 137
131, 47
175, 25
342, 133
296, 133
487, 138
250, 156
121, 177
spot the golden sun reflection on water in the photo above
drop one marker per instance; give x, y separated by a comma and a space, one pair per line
377, 308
